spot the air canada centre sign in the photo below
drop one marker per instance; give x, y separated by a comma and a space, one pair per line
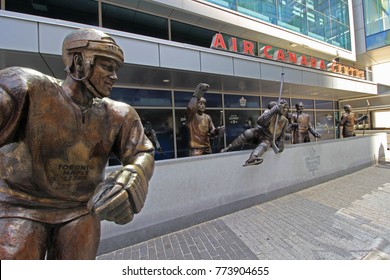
242, 46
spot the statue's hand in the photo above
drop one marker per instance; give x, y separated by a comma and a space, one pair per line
201, 89
118, 197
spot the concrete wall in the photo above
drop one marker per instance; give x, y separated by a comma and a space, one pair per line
187, 191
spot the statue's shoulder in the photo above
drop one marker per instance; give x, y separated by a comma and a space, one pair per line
118, 108
23, 78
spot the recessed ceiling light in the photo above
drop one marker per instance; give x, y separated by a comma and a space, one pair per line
166, 81
293, 45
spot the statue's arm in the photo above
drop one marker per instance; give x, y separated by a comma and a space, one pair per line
192, 105
13, 92
313, 131
123, 193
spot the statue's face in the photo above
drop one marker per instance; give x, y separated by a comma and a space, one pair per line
103, 75
201, 106
300, 107
283, 108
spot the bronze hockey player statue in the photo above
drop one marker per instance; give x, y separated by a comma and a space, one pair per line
265, 134
200, 125
348, 121
55, 139
301, 126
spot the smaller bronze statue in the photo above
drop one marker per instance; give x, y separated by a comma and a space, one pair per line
300, 126
348, 121
200, 125
269, 131
152, 136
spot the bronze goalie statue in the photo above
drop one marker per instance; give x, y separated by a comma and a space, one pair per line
55, 139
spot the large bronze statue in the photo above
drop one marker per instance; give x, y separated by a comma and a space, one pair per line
348, 121
300, 126
55, 139
269, 131
200, 124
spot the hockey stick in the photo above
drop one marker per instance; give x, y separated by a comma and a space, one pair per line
274, 146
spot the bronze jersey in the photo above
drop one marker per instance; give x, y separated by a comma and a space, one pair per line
301, 133
348, 121
52, 152
199, 126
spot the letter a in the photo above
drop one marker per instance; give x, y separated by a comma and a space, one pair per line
218, 42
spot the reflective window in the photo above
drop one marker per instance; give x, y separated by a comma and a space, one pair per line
340, 35
376, 16
161, 122
241, 101
377, 23
181, 133
265, 100
325, 125
307, 103
237, 121
324, 104
317, 23
85, 11
142, 97
213, 100
339, 11
292, 15
190, 34
326, 20
134, 22
264, 10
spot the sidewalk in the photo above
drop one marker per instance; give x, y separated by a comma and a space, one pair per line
344, 219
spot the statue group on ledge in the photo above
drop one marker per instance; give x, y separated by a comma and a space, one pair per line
272, 128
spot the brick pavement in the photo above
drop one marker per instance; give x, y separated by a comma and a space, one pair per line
343, 219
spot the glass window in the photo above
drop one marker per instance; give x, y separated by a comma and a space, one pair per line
181, 133
190, 34
376, 16
339, 11
324, 104
321, 6
230, 4
241, 101
325, 125
311, 17
142, 97
134, 22
237, 121
292, 15
265, 100
161, 122
340, 35
307, 103
378, 40
264, 10
85, 11
213, 100
317, 23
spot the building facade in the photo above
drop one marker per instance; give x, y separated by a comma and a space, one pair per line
240, 48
